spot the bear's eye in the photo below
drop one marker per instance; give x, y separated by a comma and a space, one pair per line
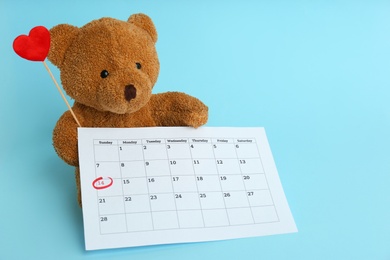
138, 65
104, 74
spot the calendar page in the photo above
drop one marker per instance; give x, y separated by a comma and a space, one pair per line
160, 185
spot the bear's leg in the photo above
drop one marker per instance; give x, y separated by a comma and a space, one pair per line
78, 184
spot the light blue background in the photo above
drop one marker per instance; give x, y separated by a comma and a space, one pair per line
315, 74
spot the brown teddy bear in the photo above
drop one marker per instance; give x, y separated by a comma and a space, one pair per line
109, 67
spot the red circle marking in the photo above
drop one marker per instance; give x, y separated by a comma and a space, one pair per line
103, 186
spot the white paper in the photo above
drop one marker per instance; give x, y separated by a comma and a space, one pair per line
160, 185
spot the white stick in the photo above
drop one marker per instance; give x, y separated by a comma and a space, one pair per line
62, 94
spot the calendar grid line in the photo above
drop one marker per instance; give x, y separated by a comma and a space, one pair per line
266, 179
96, 191
197, 188
182, 158
205, 191
204, 174
124, 206
224, 202
170, 174
149, 203
247, 197
190, 210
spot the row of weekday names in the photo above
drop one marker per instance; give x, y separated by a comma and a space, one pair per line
175, 141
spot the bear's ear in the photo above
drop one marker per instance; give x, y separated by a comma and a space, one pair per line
61, 37
144, 22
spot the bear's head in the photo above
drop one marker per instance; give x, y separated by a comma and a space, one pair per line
108, 64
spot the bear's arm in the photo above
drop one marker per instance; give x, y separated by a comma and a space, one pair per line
178, 109
65, 139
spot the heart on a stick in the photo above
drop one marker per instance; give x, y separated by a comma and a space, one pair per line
35, 46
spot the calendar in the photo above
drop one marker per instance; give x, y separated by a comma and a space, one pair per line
160, 185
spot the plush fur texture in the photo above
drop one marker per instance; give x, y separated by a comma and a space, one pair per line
109, 67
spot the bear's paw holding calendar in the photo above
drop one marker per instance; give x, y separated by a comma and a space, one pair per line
109, 67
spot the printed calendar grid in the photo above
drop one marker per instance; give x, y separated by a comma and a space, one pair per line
178, 213
118, 210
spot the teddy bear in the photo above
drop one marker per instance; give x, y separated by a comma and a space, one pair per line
109, 67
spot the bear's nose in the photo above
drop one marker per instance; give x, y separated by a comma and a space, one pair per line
130, 92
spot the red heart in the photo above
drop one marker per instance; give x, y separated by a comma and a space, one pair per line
35, 46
